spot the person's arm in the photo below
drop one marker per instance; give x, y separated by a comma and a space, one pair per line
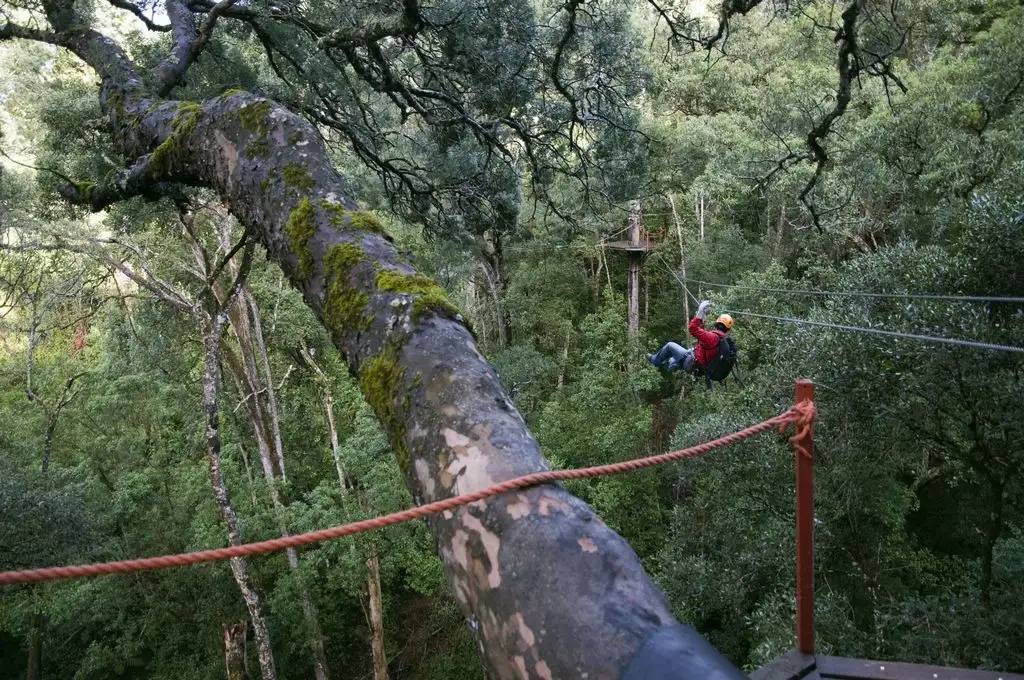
707, 339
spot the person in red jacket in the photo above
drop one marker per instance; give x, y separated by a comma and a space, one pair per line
674, 357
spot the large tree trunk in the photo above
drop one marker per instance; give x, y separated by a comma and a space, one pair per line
550, 590
239, 568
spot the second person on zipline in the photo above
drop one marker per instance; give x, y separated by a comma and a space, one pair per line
674, 357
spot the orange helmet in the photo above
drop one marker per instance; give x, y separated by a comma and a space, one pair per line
726, 321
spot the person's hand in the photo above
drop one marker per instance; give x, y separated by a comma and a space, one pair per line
702, 309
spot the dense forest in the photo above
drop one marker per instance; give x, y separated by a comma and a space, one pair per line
269, 267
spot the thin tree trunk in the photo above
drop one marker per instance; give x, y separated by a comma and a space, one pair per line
380, 665
682, 263
495, 286
332, 427
780, 231
261, 346
234, 651
565, 360
246, 330
35, 648
51, 426
700, 214
242, 325
239, 568
992, 533
380, 660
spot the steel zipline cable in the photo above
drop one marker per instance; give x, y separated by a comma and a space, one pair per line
878, 331
832, 293
859, 329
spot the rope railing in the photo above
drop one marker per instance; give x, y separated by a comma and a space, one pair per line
800, 416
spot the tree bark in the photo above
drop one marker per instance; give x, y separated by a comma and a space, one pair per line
380, 660
35, 648
234, 651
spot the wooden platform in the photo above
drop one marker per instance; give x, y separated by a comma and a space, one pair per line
797, 666
641, 247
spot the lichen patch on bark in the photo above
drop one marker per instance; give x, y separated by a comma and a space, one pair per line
519, 508
229, 151
524, 631
491, 544
548, 503
469, 465
521, 667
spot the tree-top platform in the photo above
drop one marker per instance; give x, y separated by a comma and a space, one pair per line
645, 246
797, 666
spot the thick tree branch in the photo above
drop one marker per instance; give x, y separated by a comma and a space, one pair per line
138, 180
189, 42
405, 24
137, 11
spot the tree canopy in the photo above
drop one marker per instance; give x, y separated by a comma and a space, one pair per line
433, 183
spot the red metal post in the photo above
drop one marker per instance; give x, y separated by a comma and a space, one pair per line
805, 530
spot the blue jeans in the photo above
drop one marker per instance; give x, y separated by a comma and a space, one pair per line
673, 357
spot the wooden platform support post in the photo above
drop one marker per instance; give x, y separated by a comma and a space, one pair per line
633, 278
805, 529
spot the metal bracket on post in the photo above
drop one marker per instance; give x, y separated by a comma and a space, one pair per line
805, 529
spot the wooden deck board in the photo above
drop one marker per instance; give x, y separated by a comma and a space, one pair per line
838, 668
797, 666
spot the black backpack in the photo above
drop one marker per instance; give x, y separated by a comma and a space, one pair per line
721, 366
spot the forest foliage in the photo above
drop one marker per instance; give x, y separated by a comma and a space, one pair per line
919, 523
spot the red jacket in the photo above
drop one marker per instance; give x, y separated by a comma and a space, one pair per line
707, 342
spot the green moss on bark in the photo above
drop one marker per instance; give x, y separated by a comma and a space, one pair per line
344, 306
254, 117
182, 127
382, 382
429, 297
300, 228
349, 220
296, 176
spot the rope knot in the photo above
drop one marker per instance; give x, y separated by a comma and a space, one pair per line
801, 416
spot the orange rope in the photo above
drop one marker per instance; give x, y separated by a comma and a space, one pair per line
801, 416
